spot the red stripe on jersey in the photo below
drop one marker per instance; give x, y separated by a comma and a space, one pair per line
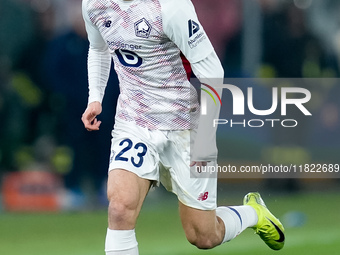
186, 65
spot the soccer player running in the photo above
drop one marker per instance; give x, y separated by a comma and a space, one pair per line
157, 112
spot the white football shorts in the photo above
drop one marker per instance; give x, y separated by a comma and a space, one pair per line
164, 157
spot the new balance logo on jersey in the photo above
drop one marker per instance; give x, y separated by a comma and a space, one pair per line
143, 28
107, 23
193, 27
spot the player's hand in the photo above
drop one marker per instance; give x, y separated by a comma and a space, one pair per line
91, 123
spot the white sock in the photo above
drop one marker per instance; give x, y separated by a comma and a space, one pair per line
236, 219
121, 242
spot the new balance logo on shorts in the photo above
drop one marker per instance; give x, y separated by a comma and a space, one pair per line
203, 196
193, 27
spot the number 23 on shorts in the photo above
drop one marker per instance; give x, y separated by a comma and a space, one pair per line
129, 151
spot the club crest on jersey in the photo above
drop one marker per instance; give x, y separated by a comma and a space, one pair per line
193, 27
143, 28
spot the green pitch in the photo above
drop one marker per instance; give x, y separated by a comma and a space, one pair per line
159, 230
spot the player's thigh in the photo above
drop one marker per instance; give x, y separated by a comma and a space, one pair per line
125, 185
125, 181
126, 192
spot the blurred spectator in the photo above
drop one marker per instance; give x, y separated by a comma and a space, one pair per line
324, 21
222, 20
289, 47
65, 71
292, 50
19, 94
16, 32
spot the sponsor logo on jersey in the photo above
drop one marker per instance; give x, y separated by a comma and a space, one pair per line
193, 27
195, 35
143, 28
123, 45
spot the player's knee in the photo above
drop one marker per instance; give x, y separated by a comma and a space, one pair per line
122, 210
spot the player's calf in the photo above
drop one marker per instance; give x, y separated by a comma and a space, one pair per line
203, 241
202, 228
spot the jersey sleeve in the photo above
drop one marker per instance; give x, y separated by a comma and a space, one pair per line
99, 60
208, 71
95, 38
181, 25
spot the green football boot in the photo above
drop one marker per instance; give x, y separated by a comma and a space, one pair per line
268, 227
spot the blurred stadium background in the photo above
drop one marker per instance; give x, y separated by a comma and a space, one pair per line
53, 172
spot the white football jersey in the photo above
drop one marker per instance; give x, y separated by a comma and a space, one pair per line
148, 41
